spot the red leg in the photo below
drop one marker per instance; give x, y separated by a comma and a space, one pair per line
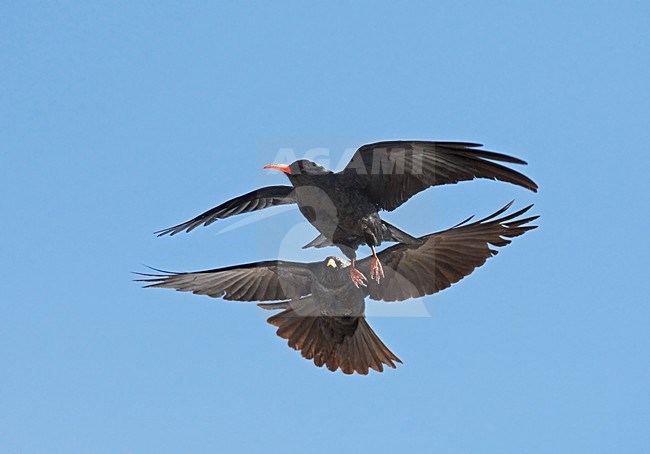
376, 270
357, 276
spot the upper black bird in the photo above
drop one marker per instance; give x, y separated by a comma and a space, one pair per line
344, 206
323, 315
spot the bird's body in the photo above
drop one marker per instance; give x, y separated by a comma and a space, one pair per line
335, 205
323, 312
333, 292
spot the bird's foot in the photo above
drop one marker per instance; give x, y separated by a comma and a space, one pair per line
376, 270
358, 279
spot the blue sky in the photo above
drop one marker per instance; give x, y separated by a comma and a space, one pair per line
122, 118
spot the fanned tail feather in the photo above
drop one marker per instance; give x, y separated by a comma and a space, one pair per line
346, 343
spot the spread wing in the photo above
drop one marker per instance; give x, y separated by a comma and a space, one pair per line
393, 172
260, 281
253, 201
443, 258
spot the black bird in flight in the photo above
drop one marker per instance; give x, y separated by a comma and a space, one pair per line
323, 312
344, 207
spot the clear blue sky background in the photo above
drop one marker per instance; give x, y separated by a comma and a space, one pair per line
121, 118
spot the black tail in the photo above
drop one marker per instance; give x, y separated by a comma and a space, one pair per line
319, 242
346, 343
392, 233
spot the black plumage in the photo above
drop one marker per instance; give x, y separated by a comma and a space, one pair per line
323, 311
344, 207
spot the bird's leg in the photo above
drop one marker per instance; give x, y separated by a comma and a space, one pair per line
376, 270
357, 276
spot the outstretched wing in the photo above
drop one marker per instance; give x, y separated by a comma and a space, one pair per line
260, 281
443, 258
393, 172
253, 201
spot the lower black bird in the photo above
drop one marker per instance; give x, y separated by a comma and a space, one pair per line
323, 312
344, 207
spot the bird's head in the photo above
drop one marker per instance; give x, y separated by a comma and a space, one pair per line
300, 167
335, 273
333, 263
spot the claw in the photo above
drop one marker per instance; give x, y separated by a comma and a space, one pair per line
376, 270
358, 279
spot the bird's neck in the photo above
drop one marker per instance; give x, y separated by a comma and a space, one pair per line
307, 179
